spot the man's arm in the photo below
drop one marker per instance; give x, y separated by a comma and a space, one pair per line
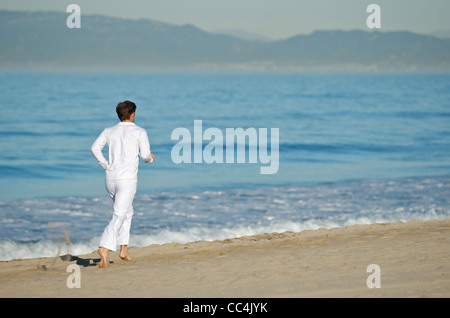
97, 147
144, 148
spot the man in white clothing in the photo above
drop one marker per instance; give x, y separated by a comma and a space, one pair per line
126, 143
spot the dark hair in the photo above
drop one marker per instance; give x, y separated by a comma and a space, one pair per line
125, 109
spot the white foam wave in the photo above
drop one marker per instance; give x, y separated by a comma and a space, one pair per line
217, 215
10, 250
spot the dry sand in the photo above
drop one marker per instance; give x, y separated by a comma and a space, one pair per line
414, 259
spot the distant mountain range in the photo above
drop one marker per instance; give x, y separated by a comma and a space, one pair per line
242, 34
42, 41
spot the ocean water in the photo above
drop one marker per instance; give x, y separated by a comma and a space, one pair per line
353, 149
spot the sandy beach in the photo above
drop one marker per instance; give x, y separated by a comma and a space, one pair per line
413, 258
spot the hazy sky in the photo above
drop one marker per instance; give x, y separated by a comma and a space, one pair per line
274, 18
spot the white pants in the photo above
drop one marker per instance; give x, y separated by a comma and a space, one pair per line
117, 232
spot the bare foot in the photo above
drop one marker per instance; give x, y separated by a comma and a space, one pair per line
123, 254
103, 252
125, 257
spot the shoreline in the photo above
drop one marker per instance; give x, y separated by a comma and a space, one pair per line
413, 257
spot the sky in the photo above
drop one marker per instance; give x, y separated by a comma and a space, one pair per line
277, 19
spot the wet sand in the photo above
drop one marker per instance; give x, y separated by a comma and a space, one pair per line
413, 258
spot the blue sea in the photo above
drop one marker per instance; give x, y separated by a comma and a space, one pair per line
354, 148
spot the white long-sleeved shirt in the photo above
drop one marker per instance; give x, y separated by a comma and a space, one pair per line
126, 143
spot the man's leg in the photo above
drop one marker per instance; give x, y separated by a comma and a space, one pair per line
124, 235
117, 232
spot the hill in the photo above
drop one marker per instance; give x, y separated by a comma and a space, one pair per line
42, 41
